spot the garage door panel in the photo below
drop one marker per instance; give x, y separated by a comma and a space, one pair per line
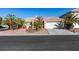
50, 25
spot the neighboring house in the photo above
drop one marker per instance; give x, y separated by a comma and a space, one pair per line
75, 12
49, 22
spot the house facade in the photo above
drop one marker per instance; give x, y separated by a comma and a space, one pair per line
49, 22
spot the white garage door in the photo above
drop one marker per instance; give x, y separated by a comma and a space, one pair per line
50, 25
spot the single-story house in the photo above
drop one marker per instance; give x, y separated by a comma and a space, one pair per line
49, 22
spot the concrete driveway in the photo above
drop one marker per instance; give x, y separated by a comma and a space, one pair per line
59, 32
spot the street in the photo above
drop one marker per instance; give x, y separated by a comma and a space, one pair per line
40, 43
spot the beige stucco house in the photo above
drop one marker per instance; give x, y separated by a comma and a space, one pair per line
49, 22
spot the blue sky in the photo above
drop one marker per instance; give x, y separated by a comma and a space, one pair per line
31, 12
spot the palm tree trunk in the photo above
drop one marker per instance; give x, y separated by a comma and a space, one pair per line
9, 27
36, 28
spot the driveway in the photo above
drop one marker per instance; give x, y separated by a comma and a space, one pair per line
59, 32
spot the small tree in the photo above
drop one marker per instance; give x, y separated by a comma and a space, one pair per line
10, 20
20, 22
36, 24
39, 23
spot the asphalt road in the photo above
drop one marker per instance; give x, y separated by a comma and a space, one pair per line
39, 43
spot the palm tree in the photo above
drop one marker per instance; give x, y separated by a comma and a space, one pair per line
10, 20
39, 23
36, 24
69, 20
20, 22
